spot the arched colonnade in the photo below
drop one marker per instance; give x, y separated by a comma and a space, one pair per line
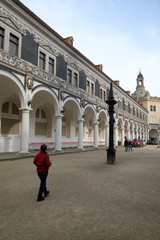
30, 117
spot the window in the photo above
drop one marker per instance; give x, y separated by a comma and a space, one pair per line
51, 66
102, 94
41, 122
72, 77
137, 113
90, 87
1, 38
123, 104
90, 129
42, 60
133, 111
13, 45
10, 122
75, 80
129, 108
153, 108
46, 61
69, 76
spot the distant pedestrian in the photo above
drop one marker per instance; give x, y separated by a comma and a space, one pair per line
126, 144
43, 163
130, 146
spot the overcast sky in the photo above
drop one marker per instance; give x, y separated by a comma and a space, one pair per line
123, 35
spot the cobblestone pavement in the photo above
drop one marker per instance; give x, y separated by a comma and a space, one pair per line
89, 199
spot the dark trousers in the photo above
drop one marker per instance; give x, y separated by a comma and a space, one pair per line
42, 188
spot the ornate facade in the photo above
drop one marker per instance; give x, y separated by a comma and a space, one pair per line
152, 104
51, 93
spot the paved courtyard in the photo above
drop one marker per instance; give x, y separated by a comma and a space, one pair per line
89, 199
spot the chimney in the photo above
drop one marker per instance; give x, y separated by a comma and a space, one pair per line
116, 82
69, 40
99, 67
128, 92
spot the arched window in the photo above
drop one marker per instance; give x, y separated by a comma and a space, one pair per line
10, 122
101, 129
90, 129
41, 123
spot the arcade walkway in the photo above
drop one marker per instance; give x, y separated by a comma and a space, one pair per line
89, 199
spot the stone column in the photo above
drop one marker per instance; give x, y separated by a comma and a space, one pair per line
116, 136
80, 134
24, 141
128, 134
58, 139
122, 137
96, 135
107, 134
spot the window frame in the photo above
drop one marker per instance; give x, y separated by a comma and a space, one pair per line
71, 73
48, 56
102, 94
2, 35
90, 87
13, 44
10, 31
12, 116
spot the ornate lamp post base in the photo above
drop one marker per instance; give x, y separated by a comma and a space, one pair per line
111, 156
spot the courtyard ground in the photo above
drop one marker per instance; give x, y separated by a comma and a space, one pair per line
88, 200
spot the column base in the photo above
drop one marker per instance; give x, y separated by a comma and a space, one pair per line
58, 151
81, 149
96, 148
23, 153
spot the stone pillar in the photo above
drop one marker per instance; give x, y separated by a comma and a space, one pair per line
122, 137
107, 134
96, 135
80, 134
58, 139
128, 134
116, 136
24, 141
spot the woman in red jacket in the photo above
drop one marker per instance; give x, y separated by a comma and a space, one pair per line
43, 163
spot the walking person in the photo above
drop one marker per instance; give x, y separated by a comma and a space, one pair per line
43, 163
126, 144
130, 146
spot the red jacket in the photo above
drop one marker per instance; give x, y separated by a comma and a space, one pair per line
42, 162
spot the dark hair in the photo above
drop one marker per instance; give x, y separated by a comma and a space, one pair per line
43, 147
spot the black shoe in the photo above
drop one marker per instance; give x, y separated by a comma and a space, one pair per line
40, 199
46, 193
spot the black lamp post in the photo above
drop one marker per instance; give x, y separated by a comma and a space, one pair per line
111, 152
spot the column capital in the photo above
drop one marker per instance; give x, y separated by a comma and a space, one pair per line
25, 109
59, 116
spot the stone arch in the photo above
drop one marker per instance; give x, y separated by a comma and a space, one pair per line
102, 117
126, 125
90, 118
11, 86
120, 131
154, 135
12, 91
71, 115
46, 94
44, 102
76, 106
